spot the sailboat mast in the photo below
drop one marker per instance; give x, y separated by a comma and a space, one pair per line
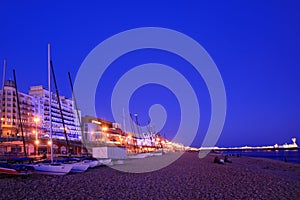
76, 107
124, 121
137, 125
59, 105
149, 128
50, 102
3, 81
132, 125
19, 112
3, 75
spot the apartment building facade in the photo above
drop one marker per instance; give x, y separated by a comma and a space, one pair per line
35, 111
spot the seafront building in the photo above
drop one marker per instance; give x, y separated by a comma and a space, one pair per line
35, 114
98, 133
101, 131
35, 111
9, 112
71, 121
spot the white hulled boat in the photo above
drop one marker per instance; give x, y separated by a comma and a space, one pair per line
92, 163
78, 167
52, 168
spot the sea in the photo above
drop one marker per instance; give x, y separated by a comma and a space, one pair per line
282, 155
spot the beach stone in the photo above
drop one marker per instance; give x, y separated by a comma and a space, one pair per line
187, 178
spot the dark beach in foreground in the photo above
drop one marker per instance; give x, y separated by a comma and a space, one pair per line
187, 178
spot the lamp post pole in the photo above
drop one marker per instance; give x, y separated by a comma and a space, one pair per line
36, 120
104, 130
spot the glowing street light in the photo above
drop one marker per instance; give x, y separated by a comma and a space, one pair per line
36, 120
104, 129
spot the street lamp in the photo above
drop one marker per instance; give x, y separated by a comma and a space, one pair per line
36, 120
105, 129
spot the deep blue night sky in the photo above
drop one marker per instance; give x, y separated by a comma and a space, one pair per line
255, 44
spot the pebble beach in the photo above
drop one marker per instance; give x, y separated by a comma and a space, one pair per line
187, 178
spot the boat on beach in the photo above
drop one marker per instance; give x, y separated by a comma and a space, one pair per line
60, 166
92, 162
52, 168
105, 161
77, 165
15, 169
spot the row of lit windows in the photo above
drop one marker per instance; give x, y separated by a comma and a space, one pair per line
9, 92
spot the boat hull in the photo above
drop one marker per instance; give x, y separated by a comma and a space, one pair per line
78, 167
50, 169
15, 169
106, 162
92, 163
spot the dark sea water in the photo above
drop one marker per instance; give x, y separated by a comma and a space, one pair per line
282, 155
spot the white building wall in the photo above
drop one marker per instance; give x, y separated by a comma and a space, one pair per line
69, 113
